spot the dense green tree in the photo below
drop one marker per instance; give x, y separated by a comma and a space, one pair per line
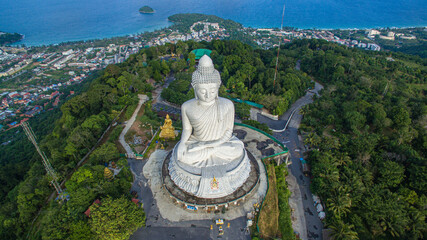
116, 219
104, 154
367, 138
340, 202
342, 231
165, 67
400, 117
391, 174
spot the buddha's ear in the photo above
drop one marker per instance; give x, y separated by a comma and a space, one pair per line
195, 94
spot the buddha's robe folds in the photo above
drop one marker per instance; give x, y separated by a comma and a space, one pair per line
211, 142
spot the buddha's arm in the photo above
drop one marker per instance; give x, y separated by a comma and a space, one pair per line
186, 133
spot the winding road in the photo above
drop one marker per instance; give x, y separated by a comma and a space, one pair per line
286, 130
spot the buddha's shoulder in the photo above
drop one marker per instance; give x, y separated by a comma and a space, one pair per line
225, 102
189, 103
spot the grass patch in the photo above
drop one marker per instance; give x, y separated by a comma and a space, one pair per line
283, 193
268, 222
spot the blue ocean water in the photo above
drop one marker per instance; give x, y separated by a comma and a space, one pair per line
55, 21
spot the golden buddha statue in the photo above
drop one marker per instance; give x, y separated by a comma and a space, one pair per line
168, 131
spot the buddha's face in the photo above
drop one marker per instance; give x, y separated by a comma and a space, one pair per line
206, 92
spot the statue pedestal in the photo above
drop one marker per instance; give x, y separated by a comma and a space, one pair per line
218, 185
209, 181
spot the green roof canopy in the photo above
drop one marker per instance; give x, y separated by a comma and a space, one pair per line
200, 52
257, 105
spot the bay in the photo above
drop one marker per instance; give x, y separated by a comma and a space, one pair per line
54, 21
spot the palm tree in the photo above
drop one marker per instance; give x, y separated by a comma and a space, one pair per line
416, 224
342, 158
312, 140
304, 110
341, 230
340, 202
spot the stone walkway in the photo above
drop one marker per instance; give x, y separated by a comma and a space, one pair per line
129, 152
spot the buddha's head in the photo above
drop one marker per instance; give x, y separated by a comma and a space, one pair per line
206, 80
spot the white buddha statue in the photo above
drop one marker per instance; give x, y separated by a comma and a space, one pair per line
208, 122
208, 151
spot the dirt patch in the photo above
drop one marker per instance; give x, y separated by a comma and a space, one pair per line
269, 216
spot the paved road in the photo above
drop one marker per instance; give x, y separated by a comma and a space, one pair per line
291, 140
160, 104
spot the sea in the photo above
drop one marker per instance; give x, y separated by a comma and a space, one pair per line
46, 22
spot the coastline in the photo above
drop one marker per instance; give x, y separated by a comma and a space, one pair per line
57, 23
167, 26
154, 11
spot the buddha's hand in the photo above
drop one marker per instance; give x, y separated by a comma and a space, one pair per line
181, 150
194, 147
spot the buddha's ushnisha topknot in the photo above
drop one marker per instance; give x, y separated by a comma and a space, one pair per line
205, 73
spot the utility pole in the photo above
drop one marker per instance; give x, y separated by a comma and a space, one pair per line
278, 49
30, 134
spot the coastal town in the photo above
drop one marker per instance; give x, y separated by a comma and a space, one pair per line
33, 79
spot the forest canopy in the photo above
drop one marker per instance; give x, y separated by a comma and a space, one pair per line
368, 140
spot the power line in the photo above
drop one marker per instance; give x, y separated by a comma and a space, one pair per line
31, 136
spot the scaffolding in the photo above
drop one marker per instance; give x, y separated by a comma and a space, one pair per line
30, 134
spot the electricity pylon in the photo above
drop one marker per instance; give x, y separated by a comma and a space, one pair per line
30, 134
278, 49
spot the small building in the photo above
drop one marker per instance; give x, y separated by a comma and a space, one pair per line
69, 52
374, 47
54, 94
373, 32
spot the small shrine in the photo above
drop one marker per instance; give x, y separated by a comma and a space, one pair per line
167, 130
108, 174
214, 184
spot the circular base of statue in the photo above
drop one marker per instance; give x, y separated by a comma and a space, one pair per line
239, 179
